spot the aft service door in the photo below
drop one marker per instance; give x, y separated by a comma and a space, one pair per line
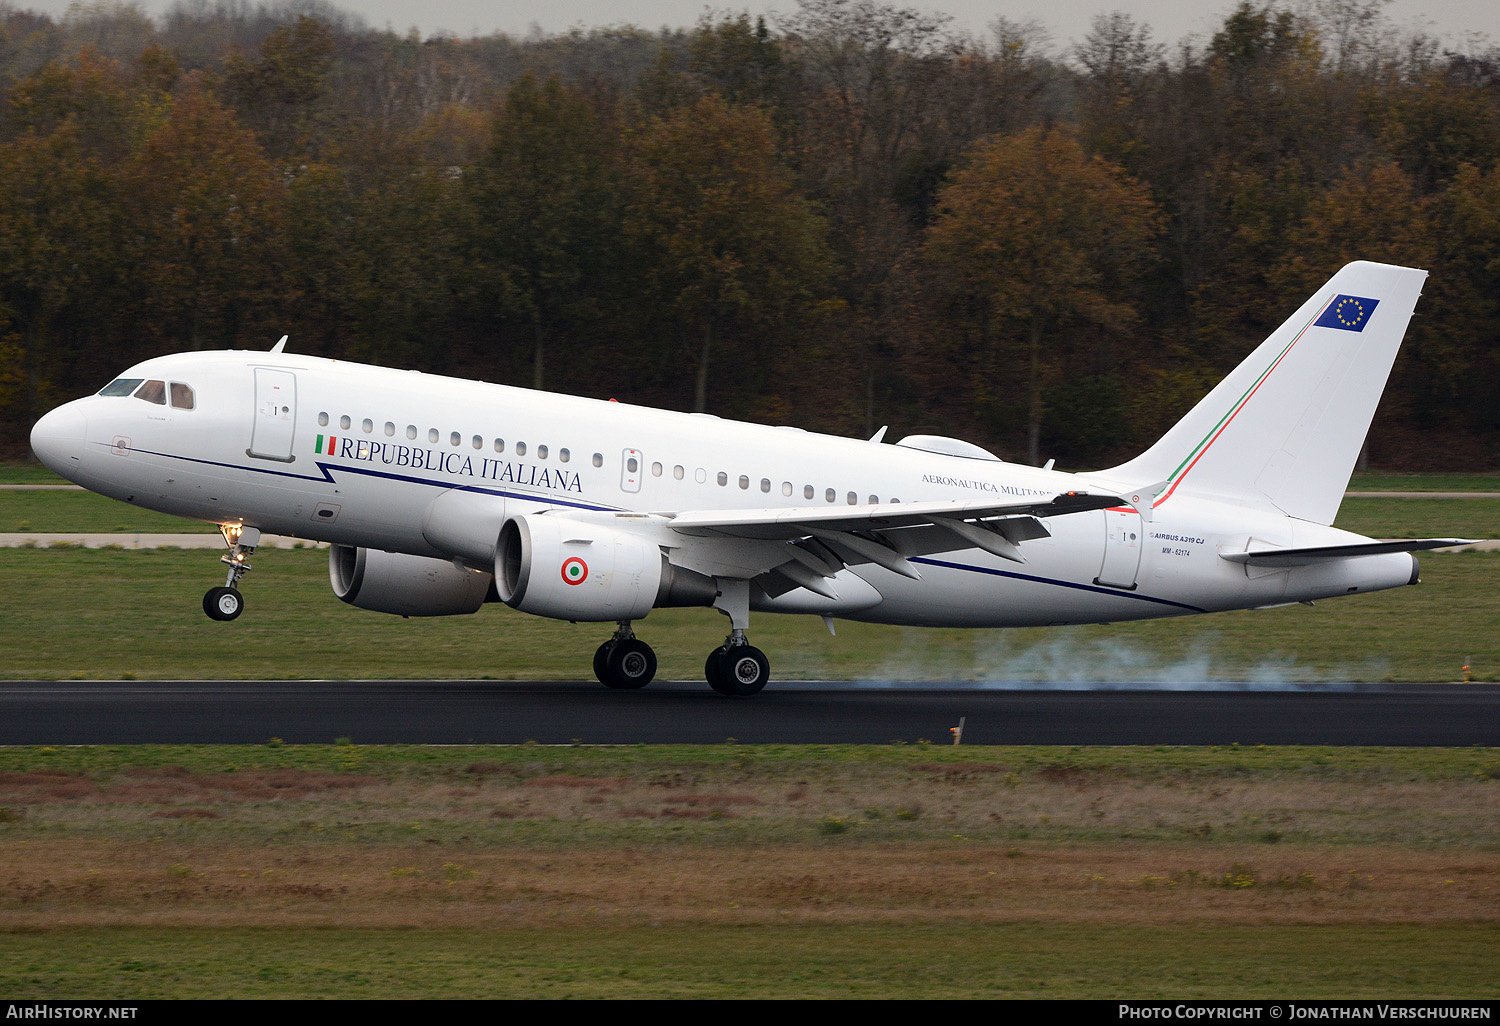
1122, 549
275, 414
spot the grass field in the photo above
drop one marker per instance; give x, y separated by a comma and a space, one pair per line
85, 512
1379, 482
737, 871
1421, 518
28, 473
768, 871
112, 614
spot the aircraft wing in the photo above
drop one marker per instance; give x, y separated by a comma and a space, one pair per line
800, 547
782, 521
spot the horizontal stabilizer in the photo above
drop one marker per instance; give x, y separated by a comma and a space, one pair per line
1324, 553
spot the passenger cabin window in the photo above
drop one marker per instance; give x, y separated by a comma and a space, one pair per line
411, 432
765, 484
744, 483
121, 386
677, 472
390, 429
563, 455
182, 396
499, 445
455, 438
520, 448
322, 420
344, 422
368, 425
477, 442
153, 392
656, 470
432, 436
807, 491
541, 452
723, 479
598, 459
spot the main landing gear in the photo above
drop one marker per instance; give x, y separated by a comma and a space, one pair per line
736, 668
226, 603
624, 662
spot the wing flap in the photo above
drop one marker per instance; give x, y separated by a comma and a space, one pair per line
808, 547
788, 521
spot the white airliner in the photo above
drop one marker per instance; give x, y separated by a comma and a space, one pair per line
438, 494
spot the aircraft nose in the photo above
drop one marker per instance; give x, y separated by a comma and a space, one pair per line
58, 438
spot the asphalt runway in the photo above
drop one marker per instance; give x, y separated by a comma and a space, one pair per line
507, 712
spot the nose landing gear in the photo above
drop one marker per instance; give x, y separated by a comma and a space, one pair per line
226, 603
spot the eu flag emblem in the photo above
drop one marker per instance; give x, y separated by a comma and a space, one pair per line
1347, 312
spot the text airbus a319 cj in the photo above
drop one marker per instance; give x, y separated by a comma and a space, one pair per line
438, 494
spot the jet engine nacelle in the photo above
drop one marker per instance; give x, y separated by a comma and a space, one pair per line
392, 582
572, 570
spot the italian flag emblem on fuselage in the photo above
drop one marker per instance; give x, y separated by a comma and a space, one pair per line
574, 570
330, 448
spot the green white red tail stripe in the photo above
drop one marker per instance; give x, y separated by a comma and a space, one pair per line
1185, 467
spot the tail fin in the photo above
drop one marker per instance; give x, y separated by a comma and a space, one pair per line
1284, 429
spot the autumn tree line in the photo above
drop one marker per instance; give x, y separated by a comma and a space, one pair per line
847, 217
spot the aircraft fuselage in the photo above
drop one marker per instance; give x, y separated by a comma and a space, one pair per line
356, 455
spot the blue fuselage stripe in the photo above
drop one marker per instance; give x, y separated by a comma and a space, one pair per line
327, 478
1114, 593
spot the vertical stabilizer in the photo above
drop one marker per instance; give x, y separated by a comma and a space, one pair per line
1284, 429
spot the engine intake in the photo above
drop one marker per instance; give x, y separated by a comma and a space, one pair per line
570, 570
392, 582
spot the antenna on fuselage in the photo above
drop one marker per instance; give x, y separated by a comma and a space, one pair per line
877, 436
278, 347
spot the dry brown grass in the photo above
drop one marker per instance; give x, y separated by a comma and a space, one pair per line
1054, 802
49, 883
924, 843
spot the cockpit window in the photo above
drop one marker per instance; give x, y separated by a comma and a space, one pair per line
153, 392
182, 396
120, 386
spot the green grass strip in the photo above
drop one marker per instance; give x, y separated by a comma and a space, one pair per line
597, 957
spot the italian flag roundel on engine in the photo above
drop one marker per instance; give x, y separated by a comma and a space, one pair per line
574, 570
